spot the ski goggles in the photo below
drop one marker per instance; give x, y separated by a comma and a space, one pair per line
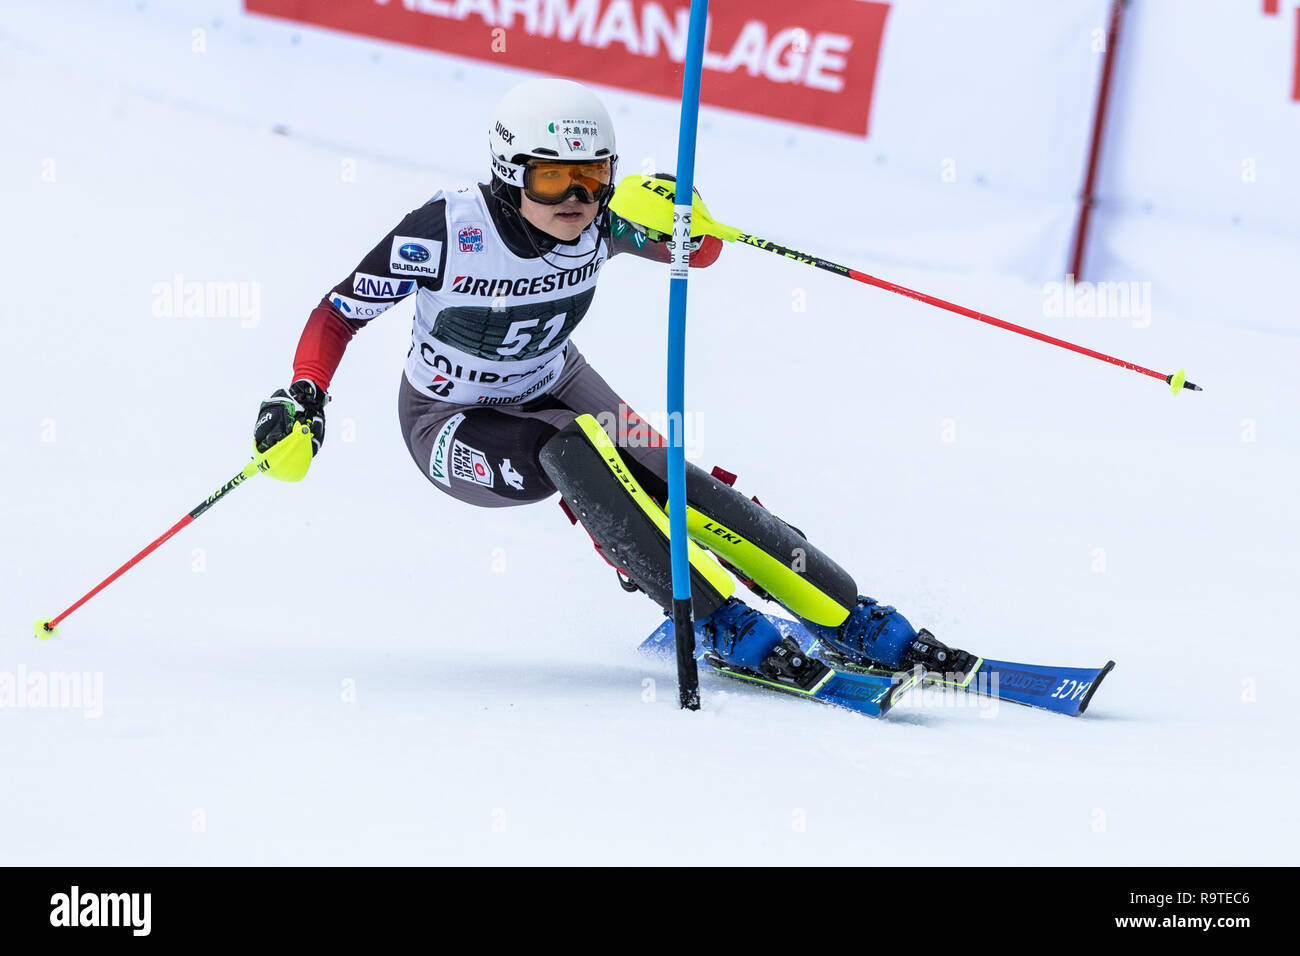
551, 182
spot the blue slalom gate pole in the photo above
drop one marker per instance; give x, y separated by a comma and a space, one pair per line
688, 678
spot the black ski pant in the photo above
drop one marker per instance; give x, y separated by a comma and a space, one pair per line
613, 478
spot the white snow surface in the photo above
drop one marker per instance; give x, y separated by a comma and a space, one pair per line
358, 669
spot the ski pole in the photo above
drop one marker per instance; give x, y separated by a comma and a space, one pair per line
281, 460
648, 202
688, 677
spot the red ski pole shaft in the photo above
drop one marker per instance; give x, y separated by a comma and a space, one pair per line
1174, 380
46, 628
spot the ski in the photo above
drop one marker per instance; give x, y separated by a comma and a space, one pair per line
1062, 690
872, 694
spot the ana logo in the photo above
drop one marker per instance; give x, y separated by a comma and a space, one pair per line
413, 252
471, 239
383, 287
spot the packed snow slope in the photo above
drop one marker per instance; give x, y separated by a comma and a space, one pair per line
357, 669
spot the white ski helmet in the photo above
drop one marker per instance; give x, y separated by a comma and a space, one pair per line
548, 119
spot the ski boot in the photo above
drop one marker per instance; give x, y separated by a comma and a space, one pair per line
743, 639
875, 635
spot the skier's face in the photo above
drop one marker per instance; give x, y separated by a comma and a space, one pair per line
563, 221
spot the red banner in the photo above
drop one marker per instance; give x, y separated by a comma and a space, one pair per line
812, 62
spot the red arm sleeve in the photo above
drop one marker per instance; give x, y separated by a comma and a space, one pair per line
320, 349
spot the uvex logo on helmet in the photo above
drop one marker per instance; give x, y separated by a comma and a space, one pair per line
548, 119
505, 171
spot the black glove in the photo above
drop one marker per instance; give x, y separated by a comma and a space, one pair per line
303, 401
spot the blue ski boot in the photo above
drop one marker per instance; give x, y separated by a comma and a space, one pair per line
875, 634
742, 638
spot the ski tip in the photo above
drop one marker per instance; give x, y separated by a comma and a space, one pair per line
1087, 698
45, 629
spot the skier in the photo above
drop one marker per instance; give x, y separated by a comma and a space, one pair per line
499, 408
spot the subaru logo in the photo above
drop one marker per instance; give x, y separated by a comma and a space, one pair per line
413, 252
